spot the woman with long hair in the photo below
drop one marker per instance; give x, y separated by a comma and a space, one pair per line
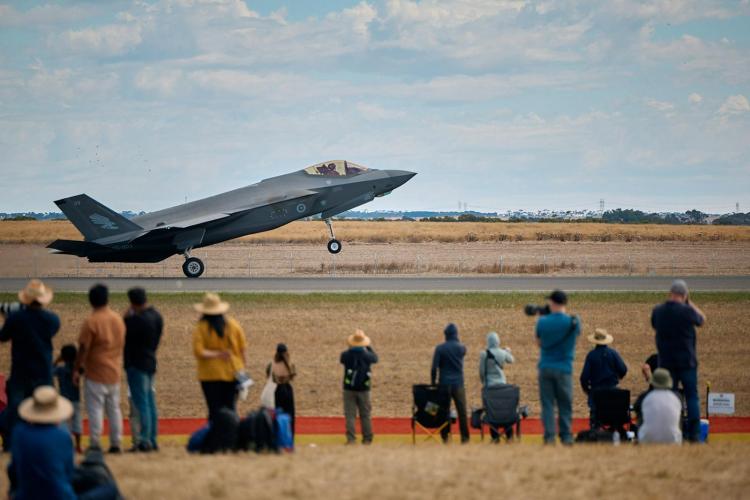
219, 348
282, 372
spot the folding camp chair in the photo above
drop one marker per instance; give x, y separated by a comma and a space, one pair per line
502, 411
612, 410
431, 411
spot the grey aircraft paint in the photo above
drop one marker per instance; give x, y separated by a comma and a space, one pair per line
328, 189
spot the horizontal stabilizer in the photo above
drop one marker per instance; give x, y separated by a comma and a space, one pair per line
93, 219
79, 248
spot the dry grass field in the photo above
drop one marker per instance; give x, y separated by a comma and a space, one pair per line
42, 232
405, 328
434, 471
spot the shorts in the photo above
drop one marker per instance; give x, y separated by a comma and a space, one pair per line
75, 424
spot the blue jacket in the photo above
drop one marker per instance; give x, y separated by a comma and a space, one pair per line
603, 369
558, 342
30, 331
42, 462
449, 361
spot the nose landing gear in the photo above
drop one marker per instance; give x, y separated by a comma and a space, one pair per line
334, 245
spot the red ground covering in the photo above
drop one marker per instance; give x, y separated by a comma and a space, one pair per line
383, 425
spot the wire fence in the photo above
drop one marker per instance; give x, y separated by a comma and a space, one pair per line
243, 260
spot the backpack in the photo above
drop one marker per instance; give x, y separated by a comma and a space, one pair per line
257, 431
284, 437
357, 374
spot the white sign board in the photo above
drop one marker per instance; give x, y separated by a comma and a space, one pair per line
720, 403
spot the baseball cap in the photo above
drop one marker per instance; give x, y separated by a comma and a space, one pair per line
679, 287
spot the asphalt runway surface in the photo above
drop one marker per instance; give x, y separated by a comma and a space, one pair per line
394, 284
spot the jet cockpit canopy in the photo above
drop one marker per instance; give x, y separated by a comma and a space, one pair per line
335, 168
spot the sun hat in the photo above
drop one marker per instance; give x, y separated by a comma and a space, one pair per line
558, 297
358, 339
45, 407
212, 305
600, 337
661, 379
35, 291
679, 287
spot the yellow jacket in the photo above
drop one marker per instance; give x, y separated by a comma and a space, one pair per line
205, 338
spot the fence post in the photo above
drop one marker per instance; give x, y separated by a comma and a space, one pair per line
501, 264
544, 264
630, 264
375, 269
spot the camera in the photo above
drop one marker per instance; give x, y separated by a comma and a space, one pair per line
7, 308
534, 310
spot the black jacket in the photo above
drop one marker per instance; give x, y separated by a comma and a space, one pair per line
142, 335
357, 362
448, 362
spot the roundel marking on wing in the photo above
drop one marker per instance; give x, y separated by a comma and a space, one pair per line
301, 208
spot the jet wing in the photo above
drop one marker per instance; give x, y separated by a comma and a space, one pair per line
211, 217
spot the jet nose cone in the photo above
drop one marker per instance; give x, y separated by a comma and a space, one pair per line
400, 176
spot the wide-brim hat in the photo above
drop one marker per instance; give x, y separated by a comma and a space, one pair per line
211, 305
46, 406
600, 337
35, 291
661, 379
358, 339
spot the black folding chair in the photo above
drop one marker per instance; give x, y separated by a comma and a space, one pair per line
612, 410
431, 411
502, 411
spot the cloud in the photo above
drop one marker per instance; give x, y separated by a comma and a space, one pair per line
695, 98
663, 106
735, 105
109, 40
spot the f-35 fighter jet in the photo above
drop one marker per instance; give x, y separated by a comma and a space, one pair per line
327, 189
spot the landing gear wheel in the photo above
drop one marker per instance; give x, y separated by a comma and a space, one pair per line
334, 246
193, 267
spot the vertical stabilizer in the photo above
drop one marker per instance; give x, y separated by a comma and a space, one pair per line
93, 219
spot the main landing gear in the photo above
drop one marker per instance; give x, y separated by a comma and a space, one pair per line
334, 245
193, 266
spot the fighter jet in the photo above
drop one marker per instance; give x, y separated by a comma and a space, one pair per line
328, 189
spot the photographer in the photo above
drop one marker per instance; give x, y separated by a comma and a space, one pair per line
30, 329
675, 322
556, 334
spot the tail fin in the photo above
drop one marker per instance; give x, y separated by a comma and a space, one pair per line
93, 219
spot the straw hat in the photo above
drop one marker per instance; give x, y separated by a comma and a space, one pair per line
358, 339
35, 291
600, 337
661, 379
45, 407
211, 305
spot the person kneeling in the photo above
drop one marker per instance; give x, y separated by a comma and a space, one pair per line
662, 410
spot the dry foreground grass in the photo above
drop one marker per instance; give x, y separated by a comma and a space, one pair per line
405, 328
435, 471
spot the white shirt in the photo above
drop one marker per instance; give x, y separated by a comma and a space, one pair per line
662, 411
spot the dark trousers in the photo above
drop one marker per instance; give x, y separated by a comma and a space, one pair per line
688, 377
219, 394
285, 400
16, 392
556, 389
458, 395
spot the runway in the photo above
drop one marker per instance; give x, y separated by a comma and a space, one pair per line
394, 284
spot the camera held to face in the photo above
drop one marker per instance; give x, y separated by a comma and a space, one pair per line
6, 308
534, 310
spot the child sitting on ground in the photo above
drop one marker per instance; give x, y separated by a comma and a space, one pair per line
64, 374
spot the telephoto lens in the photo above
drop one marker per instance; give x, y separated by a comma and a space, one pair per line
7, 308
533, 310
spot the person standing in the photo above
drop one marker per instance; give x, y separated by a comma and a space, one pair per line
603, 368
674, 322
282, 372
219, 347
556, 335
100, 358
143, 330
448, 371
30, 330
357, 361
64, 369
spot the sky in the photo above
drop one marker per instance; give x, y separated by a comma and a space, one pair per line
499, 104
